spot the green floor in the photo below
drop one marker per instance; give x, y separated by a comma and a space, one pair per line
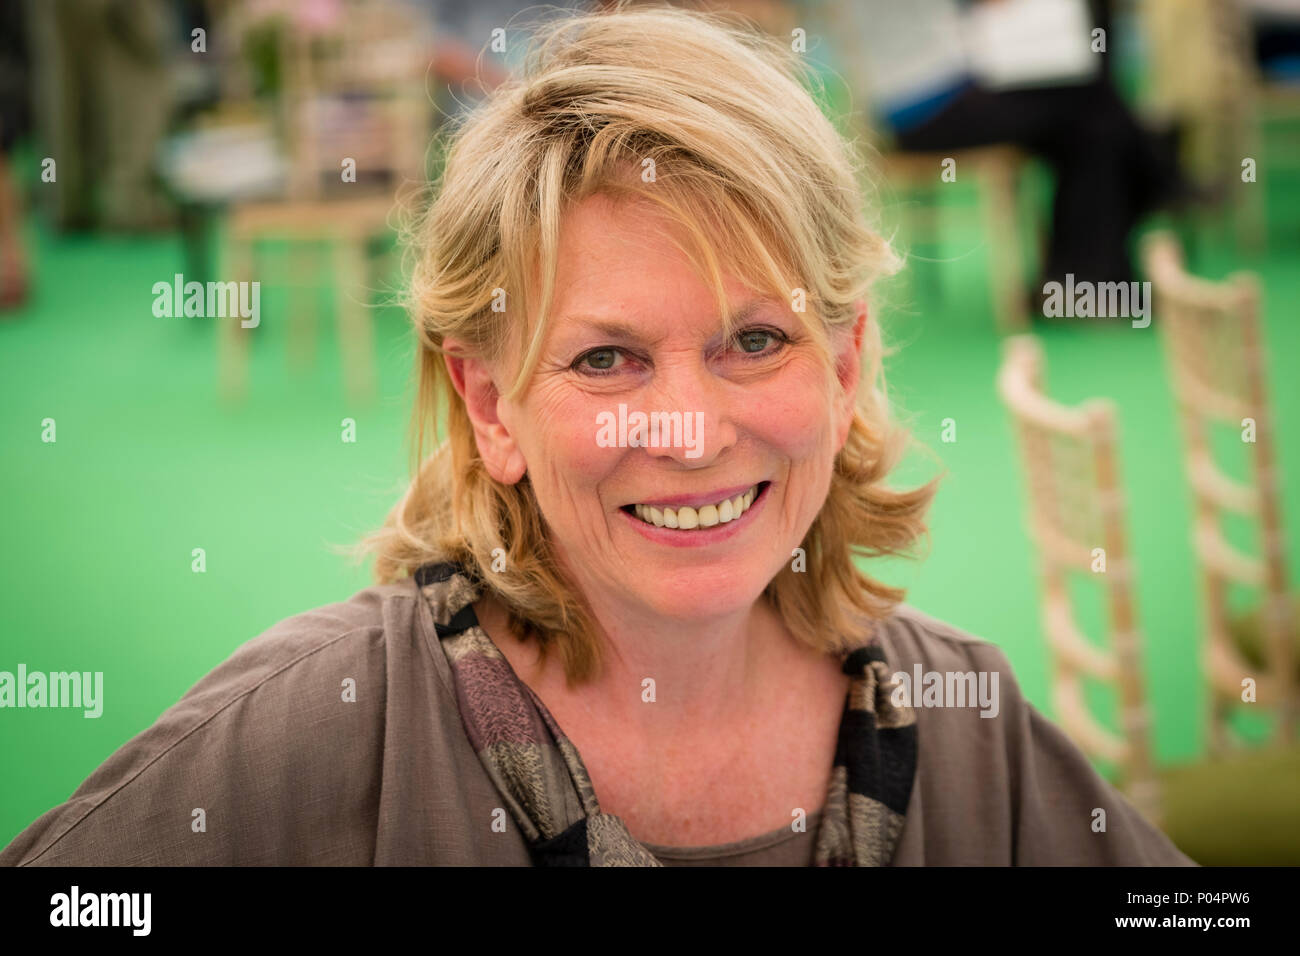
149, 464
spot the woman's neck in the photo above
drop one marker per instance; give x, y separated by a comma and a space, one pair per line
662, 679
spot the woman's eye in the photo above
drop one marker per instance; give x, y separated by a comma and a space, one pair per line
756, 341
598, 360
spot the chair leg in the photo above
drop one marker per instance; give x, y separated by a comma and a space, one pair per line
232, 337
998, 198
1251, 217
1219, 742
917, 220
304, 266
355, 333
1248, 209
927, 226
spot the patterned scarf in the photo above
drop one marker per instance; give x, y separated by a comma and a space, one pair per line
544, 784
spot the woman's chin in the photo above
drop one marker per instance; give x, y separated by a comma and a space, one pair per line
691, 596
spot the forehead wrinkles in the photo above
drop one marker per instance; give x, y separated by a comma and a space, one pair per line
732, 270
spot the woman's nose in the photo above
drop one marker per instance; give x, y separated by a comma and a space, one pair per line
695, 409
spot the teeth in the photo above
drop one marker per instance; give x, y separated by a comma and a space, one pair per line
687, 518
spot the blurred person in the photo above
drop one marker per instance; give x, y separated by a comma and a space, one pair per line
945, 76
14, 122
462, 56
1275, 26
592, 649
470, 58
104, 97
13, 258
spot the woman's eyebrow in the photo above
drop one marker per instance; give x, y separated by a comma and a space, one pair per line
608, 328
616, 330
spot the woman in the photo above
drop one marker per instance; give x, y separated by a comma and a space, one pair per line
618, 619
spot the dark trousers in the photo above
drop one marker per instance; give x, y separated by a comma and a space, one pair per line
1109, 171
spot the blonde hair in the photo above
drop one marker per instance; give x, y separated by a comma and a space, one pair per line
738, 150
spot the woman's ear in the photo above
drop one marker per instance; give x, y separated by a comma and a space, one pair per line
473, 381
848, 371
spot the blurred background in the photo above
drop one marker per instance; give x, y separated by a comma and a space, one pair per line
175, 483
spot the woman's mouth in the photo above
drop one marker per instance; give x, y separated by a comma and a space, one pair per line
688, 518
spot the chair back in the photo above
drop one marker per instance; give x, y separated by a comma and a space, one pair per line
350, 86
1077, 521
1216, 364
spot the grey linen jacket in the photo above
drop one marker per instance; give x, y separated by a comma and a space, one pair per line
288, 772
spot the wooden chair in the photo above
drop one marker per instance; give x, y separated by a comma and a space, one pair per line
354, 92
1230, 809
995, 171
1223, 105
1274, 109
1075, 508
1216, 363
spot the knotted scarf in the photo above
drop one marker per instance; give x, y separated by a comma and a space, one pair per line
546, 788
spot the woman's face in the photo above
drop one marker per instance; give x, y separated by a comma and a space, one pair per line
636, 330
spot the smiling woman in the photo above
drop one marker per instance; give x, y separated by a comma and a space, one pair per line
623, 202
593, 652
